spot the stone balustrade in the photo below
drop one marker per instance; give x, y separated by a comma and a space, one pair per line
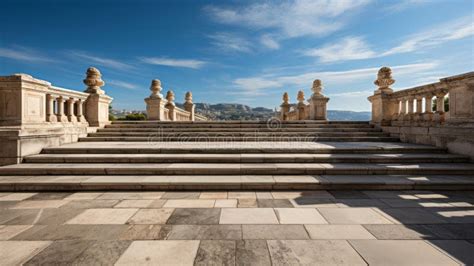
316, 109
161, 108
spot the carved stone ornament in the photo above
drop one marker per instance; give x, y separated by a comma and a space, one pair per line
384, 79
93, 81
317, 87
286, 98
188, 97
155, 88
300, 96
170, 96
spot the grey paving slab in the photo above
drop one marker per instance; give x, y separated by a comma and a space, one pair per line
364, 203
461, 216
131, 195
353, 216
252, 252
7, 204
411, 216
248, 216
247, 203
313, 252
274, 232
50, 196
181, 195
274, 203
216, 252
60, 253
189, 203
459, 250
16, 196
46, 216
72, 232
39, 204
210, 232
400, 252
348, 194
18, 252
90, 204
144, 232
452, 231
299, 216
84, 196
401, 232
195, 216
103, 216
151, 216
314, 203
9, 231
341, 232
102, 253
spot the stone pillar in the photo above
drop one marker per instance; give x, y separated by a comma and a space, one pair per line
155, 104
300, 106
97, 104
61, 117
440, 112
317, 102
50, 116
419, 104
411, 109
71, 117
80, 111
428, 114
383, 107
170, 105
285, 107
189, 105
461, 99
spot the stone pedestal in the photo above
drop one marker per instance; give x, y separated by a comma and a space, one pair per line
285, 108
155, 109
190, 108
317, 107
97, 110
461, 99
383, 109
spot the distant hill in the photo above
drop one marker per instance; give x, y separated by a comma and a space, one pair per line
235, 111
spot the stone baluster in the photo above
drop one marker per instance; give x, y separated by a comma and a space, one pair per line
410, 110
80, 111
440, 111
317, 102
50, 116
61, 117
170, 105
300, 106
155, 104
419, 107
189, 105
97, 104
71, 117
285, 107
428, 114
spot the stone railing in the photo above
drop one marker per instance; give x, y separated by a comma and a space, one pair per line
164, 109
440, 113
315, 110
34, 114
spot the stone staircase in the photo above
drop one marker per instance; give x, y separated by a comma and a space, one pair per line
238, 156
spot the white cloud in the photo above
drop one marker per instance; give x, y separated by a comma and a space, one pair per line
228, 42
187, 63
401, 5
107, 62
269, 42
122, 84
349, 48
24, 54
290, 18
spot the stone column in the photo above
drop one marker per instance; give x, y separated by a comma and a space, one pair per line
317, 102
428, 114
189, 105
71, 117
61, 117
461, 99
411, 109
285, 107
50, 116
80, 111
155, 104
383, 106
170, 105
440, 112
97, 104
300, 106
419, 107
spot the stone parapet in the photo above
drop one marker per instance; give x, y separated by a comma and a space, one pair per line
315, 110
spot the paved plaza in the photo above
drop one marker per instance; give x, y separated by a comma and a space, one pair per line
238, 228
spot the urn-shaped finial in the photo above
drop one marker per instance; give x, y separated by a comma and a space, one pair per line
384, 79
188, 98
317, 87
286, 98
170, 96
156, 88
93, 81
300, 96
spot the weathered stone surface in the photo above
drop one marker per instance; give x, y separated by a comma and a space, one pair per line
102, 253
338, 232
248, 216
274, 232
151, 216
60, 252
195, 216
252, 252
210, 232
18, 252
144, 232
216, 252
103, 216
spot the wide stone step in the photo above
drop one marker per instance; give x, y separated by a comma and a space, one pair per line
234, 122
235, 182
246, 158
186, 138
263, 129
237, 134
263, 125
238, 169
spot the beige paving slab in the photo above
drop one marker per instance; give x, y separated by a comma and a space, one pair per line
400, 252
9, 231
103, 216
134, 204
314, 203
247, 203
241, 195
151, 216
18, 252
84, 196
131, 195
191, 203
264, 195
169, 252
299, 216
17, 196
318, 194
213, 195
331, 231
248, 216
273, 231
225, 203
40, 204
313, 252
353, 216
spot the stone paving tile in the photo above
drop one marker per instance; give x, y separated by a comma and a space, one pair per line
388, 194
313, 252
341, 232
158, 203
213, 195
317, 194
8, 215
133, 204
400, 252
365, 203
264, 195
210, 232
353, 216
84, 196
274, 203
131, 195
195, 216
459, 250
184, 203
143, 232
314, 203
151, 216
60, 253
252, 252
40, 204
410, 216
103, 216
72, 232
50, 196
248, 216
181, 195
169, 252
274, 231
452, 231
102, 253
299, 216
17, 196
216, 252
247, 203
90, 204
226, 203
7, 204
241, 195
18, 252
9, 231
456, 216
400, 232
348, 194
46, 216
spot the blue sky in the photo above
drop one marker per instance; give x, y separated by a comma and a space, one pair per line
238, 51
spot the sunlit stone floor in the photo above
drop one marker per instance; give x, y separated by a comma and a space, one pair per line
238, 228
